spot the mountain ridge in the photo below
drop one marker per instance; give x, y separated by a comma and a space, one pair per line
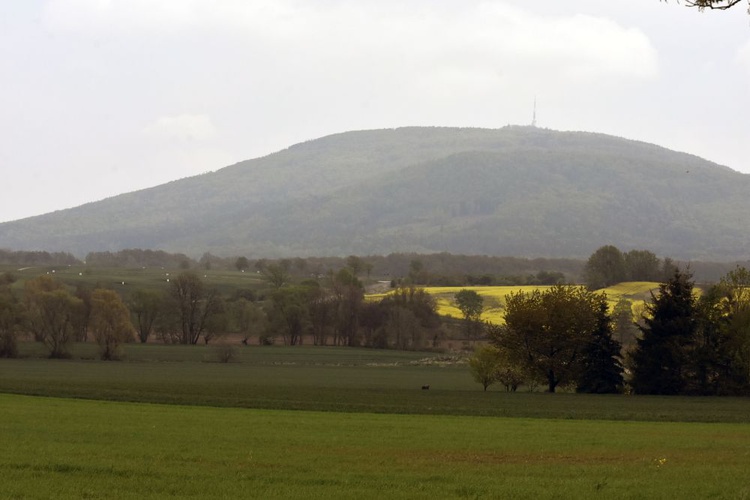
511, 191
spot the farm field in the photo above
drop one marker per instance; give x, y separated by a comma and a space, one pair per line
310, 422
65, 448
494, 297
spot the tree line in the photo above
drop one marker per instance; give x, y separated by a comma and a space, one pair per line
689, 343
330, 310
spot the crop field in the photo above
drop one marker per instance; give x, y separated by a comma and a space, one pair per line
637, 292
309, 422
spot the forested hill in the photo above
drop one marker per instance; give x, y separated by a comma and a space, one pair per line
519, 191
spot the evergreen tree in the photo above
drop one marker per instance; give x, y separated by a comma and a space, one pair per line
602, 369
660, 361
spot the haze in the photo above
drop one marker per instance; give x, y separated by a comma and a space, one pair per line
102, 97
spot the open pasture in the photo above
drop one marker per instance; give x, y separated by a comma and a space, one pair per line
63, 448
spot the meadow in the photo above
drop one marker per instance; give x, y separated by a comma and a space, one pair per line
307, 422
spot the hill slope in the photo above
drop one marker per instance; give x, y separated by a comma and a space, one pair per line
513, 191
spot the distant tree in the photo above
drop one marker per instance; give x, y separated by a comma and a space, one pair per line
659, 362
471, 304
249, 319
51, 309
276, 274
348, 295
545, 332
193, 305
641, 265
110, 323
484, 365
322, 307
218, 322
288, 313
242, 263
602, 370
604, 268
355, 264
146, 307
11, 318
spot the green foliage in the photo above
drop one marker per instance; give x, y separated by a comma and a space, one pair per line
51, 312
547, 331
485, 366
605, 267
147, 308
471, 304
110, 323
602, 370
660, 360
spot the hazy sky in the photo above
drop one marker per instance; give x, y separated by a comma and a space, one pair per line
101, 97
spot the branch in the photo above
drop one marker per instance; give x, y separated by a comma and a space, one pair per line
712, 4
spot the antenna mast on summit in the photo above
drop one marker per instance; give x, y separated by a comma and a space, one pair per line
533, 116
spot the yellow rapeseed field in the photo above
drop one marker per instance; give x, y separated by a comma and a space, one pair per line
637, 292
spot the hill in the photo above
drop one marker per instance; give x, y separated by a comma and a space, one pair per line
512, 191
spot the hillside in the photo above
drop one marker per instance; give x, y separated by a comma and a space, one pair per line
512, 191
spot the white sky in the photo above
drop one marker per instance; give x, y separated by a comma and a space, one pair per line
101, 97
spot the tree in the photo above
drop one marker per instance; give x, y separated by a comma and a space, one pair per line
242, 263
146, 307
471, 304
249, 319
288, 313
600, 357
713, 4
110, 322
604, 268
660, 358
50, 314
641, 265
193, 304
545, 332
348, 295
277, 275
11, 317
484, 365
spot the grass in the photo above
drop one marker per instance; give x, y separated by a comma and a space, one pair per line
91, 449
327, 379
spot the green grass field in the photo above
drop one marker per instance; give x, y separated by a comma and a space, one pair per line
61, 448
307, 422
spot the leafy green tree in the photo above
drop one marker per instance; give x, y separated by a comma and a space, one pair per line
146, 307
51, 310
484, 365
110, 323
193, 305
348, 295
602, 369
604, 268
471, 305
545, 332
642, 265
660, 362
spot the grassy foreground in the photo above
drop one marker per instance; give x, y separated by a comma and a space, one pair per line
59, 448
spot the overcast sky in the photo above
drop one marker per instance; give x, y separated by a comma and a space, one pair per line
101, 97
